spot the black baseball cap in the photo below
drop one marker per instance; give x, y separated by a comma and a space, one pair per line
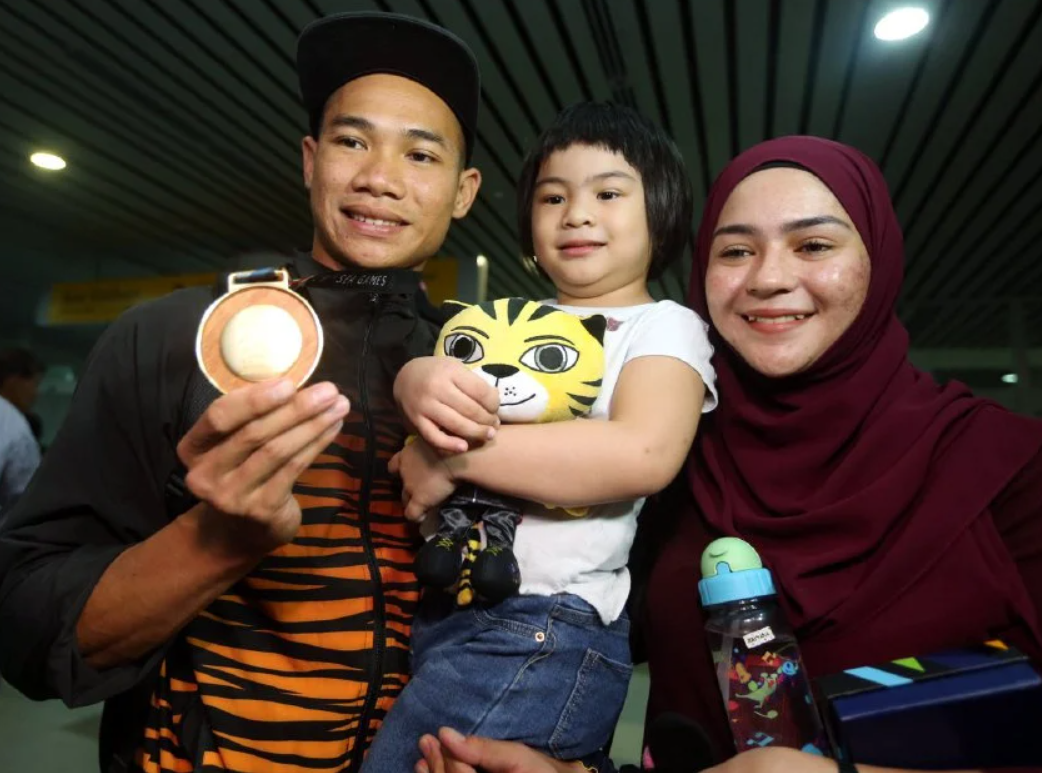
341, 47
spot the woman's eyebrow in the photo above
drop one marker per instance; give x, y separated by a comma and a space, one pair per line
811, 222
737, 228
793, 225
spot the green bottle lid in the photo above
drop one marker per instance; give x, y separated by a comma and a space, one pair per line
732, 571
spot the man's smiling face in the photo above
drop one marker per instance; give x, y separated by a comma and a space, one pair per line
386, 175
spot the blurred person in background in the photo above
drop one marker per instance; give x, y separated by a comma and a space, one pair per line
20, 376
36, 425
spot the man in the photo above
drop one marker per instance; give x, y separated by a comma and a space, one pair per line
20, 376
266, 627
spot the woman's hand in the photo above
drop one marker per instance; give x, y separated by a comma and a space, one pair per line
427, 478
450, 752
779, 760
448, 405
775, 760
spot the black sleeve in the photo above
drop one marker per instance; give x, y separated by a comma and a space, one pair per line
98, 491
431, 320
429, 313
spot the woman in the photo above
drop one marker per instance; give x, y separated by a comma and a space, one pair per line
898, 517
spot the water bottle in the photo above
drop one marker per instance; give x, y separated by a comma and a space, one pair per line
758, 666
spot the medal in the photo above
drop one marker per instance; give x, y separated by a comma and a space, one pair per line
258, 330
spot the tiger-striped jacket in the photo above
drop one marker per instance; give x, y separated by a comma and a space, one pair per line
295, 666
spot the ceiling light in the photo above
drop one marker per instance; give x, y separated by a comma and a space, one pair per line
1010, 378
48, 161
902, 23
482, 288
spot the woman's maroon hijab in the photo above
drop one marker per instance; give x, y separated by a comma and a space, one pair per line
854, 478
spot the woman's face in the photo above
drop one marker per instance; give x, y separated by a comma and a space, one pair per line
788, 272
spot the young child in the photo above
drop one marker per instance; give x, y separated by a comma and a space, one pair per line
604, 204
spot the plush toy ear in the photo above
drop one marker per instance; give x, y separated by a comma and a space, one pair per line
451, 308
595, 325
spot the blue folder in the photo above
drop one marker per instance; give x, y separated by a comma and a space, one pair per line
973, 708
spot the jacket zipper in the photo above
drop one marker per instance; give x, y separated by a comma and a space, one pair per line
379, 624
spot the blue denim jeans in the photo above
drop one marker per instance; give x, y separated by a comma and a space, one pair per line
542, 670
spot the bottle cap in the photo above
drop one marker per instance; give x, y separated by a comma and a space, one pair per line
732, 571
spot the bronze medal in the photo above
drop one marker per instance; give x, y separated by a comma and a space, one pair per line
259, 330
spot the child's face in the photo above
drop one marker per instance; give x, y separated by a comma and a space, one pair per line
590, 223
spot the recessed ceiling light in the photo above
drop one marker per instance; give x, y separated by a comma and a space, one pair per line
1010, 378
48, 161
902, 23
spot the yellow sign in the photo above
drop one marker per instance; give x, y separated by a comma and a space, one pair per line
441, 279
85, 303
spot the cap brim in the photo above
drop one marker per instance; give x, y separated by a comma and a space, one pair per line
334, 50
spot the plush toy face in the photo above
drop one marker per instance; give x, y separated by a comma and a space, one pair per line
547, 364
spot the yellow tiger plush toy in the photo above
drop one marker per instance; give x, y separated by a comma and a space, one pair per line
548, 366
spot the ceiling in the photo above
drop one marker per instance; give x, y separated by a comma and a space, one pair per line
181, 125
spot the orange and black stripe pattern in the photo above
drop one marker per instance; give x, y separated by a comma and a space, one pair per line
279, 673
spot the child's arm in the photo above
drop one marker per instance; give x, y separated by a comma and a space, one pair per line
654, 414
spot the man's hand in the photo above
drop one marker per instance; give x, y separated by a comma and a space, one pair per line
450, 752
246, 452
427, 478
243, 457
447, 404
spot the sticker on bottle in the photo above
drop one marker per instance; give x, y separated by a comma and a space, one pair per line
758, 638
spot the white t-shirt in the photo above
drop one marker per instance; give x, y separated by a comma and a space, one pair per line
559, 553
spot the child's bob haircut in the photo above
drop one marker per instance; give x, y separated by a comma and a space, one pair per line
646, 147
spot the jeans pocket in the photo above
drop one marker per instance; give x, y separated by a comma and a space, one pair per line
593, 707
525, 630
